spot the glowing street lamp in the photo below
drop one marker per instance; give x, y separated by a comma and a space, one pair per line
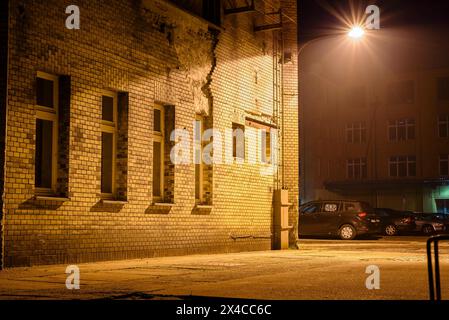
356, 33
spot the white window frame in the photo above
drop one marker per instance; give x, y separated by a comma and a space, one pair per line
351, 128
351, 164
408, 161
50, 114
160, 137
395, 125
111, 127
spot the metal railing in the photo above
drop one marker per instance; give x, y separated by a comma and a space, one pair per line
434, 283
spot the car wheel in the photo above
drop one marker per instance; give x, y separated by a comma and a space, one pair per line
347, 232
427, 229
391, 230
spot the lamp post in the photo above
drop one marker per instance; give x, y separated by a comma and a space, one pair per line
355, 33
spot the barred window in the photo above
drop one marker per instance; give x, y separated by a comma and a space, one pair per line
356, 168
402, 166
356, 132
403, 129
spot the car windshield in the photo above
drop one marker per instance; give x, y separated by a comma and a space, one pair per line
366, 206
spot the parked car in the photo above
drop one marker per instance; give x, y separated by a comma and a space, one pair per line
445, 219
428, 223
394, 222
344, 218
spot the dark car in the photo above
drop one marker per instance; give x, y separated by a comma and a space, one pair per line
344, 218
429, 223
394, 222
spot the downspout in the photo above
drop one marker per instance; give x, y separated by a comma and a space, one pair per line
4, 67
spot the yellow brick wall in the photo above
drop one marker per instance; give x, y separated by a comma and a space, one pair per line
118, 49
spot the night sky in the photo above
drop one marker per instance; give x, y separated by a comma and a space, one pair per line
413, 33
315, 18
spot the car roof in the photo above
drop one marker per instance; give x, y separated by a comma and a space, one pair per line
333, 200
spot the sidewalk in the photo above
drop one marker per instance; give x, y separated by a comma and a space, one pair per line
319, 270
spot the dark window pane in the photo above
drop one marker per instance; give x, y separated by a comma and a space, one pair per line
411, 132
444, 165
364, 170
443, 88
392, 133
393, 170
401, 133
349, 135
108, 108
357, 135
357, 171
443, 130
402, 169
44, 145
263, 147
238, 145
157, 153
412, 169
44, 94
157, 120
197, 181
212, 11
107, 153
349, 170
364, 135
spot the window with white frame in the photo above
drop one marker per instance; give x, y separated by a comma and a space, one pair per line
400, 130
356, 132
356, 168
109, 127
158, 152
46, 148
402, 166
444, 165
443, 126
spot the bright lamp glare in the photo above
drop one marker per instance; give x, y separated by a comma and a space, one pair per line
356, 32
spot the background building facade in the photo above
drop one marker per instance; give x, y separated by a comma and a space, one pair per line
379, 134
90, 114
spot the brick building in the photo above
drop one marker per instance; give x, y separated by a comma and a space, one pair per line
378, 130
87, 117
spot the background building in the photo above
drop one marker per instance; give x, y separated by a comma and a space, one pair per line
376, 129
89, 113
